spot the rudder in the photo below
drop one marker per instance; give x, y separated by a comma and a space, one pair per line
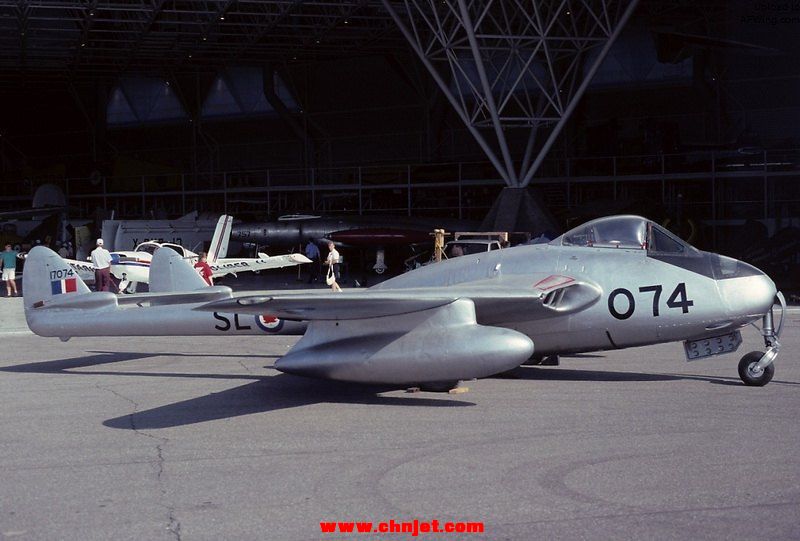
47, 276
219, 242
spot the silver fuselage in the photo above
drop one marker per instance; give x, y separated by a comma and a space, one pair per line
625, 313
717, 304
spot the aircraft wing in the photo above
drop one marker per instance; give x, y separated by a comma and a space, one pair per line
389, 337
84, 268
416, 335
495, 301
233, 266
30, 213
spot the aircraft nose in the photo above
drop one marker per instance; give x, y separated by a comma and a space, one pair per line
747, 291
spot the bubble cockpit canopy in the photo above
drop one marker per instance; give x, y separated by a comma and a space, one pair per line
628, 232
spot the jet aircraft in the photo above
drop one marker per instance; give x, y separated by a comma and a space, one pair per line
361, 232
611, 283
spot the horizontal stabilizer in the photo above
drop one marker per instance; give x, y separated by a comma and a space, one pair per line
104, 299
207, 294
85, 301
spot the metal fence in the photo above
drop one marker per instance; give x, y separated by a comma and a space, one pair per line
744, 184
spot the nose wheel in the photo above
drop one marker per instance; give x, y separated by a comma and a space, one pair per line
751, 374
756, 368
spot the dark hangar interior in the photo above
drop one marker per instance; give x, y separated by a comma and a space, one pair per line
685, 112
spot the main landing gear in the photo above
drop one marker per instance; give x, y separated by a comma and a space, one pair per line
756, 368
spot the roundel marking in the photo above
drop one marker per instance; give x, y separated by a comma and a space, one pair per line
269, 323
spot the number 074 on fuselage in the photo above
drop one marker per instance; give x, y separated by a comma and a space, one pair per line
611, 283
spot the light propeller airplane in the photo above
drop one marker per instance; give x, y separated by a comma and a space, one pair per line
133, 267
612, 283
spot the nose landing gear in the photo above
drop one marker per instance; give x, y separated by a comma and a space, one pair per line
756, 368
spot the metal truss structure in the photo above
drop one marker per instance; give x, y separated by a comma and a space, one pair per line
505, 64
502, 64
93, 38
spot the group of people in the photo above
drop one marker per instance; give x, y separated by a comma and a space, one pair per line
333, 262
8, 262
101, 261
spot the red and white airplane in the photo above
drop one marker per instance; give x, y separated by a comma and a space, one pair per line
133, 267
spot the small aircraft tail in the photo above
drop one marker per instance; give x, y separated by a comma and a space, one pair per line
219, 242
49, 279
58, 303
170, 272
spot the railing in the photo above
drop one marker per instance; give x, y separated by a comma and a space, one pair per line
714, 184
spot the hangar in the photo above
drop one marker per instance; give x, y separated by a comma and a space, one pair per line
682, 111
521, 116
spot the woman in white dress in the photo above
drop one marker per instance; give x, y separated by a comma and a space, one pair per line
333, 267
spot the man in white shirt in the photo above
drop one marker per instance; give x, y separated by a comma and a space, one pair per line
101, 260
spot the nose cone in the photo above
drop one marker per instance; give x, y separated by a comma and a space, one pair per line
749, 293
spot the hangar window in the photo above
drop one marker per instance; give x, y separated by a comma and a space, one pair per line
239, 91
612, 232
141, 100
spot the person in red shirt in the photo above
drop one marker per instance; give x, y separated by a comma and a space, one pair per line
203, 269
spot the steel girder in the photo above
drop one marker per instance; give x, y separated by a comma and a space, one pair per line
512, 64
95, 38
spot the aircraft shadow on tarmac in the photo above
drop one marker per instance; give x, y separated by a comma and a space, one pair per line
535, 373
269, 393
265, 393
66, 366
262, 394
569, 374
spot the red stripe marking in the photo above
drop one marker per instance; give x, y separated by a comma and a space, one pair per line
553, 281
222, 235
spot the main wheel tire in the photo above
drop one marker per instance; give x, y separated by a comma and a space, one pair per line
438, 387
755, 380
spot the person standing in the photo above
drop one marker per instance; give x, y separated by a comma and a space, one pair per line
312, 252
101, 261
333, 266
9, 260
204, 269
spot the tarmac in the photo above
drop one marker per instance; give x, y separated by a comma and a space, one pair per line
199, 438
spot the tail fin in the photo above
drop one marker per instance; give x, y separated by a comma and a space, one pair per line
219, 242
170, 272
47, 277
